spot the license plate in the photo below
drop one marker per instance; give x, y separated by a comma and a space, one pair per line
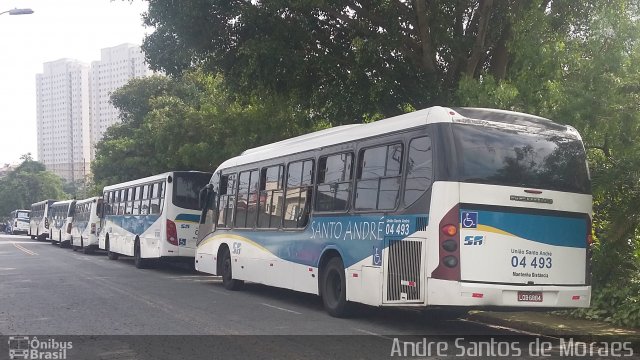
530, 296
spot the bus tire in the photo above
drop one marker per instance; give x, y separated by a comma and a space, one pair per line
60, 239
334, 288
73, 246
228, 281
85, 249
138, 261
110, 254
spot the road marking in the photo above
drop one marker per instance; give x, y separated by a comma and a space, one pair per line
24, 249
25, 242
7, 269
279, 308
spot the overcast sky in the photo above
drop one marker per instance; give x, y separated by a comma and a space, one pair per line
75, 29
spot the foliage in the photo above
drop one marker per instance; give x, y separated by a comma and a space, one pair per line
332, 62
186, 123
348, 60
28, 184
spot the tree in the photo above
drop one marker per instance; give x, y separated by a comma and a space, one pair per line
27, 184
187, 122
347, 61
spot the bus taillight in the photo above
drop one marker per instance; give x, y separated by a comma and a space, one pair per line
46, 223
172, 233
93, 228
69, 228
449, 249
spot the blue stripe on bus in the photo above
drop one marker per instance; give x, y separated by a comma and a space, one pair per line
354, 237
551, 230
135, 224
188, 218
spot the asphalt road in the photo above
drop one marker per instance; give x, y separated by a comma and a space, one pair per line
52, 291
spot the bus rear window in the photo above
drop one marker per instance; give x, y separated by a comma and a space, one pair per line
507, 157
23, 215
186, 189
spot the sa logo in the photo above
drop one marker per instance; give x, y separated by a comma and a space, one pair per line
473, 240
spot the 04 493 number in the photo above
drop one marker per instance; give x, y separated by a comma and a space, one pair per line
537, 262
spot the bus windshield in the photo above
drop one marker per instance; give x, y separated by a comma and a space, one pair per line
186, 189
23, 215
512, 158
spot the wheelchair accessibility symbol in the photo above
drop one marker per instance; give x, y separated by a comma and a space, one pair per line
469, 219
377, 256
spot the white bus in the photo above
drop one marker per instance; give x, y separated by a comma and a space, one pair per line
18, 222
86, 216
153, 218
60, 222
439, 207
38, 222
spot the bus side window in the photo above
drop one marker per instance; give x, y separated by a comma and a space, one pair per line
154, 208
227, 200
419, 169
144, 207
242, 199
378, 185
334, 182
270, 197
297, 198
136, 201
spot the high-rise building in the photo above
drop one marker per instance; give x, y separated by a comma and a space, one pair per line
116, 67
62, 108
73, 109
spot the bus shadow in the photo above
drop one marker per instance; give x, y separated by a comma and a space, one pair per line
404, 320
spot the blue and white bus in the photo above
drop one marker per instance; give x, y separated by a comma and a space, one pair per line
86, 216
38, 222
60, 217
439, 207
153, 218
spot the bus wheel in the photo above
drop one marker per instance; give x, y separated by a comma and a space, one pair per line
61, 244
111, 255
85, 249
33, 237
137, 257
334, 289
228, 281
73, 247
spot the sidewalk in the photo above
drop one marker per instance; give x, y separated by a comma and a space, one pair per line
551, 324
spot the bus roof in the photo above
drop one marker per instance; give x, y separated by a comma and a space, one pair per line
91, 199
44, 202
62, 202
149, 179
347, 133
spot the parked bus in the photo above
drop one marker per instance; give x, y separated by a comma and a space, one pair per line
18, 222
153, 218
86, 216
439, 207
38, 221
60, 218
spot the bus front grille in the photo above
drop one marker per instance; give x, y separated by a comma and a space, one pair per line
403, 270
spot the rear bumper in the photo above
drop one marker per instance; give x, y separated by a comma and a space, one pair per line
455, 293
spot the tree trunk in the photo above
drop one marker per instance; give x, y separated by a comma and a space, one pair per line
478, 46
428, 54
